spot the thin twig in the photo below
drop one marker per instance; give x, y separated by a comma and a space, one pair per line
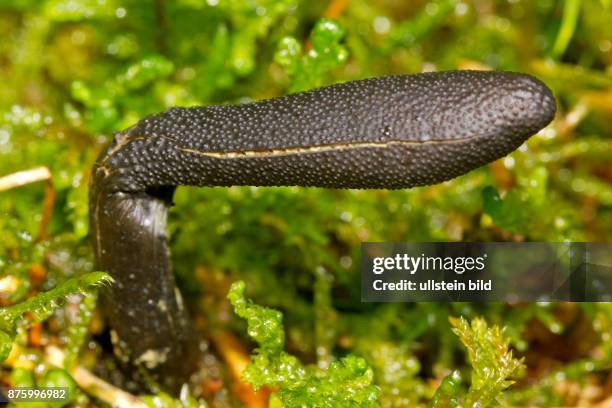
568, 122
48, 203
21, 178
95, 386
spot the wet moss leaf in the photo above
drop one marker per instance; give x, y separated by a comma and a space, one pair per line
42, 305
492, 362
347, 382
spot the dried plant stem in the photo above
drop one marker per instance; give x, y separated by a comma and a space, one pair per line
93, 385
21, 178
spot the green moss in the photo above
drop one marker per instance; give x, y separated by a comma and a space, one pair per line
311, 69
42, 305
345, 383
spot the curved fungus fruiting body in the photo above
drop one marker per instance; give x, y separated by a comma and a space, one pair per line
388, 132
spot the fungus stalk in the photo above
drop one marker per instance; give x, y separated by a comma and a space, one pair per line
389, 132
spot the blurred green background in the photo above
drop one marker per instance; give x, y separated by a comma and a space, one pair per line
74, 71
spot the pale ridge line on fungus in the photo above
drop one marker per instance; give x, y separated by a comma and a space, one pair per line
316, 149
